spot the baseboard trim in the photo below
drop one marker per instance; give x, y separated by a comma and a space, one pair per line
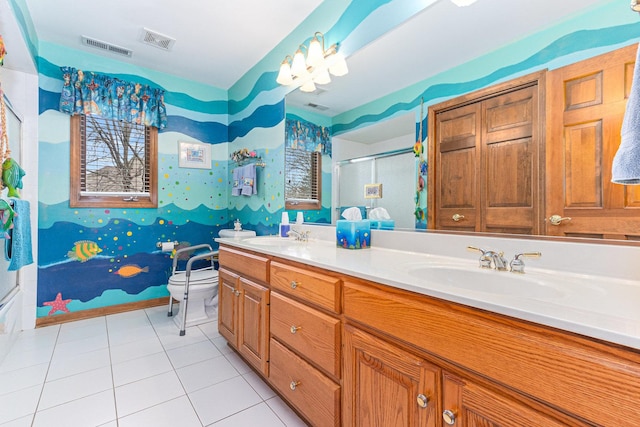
97, 312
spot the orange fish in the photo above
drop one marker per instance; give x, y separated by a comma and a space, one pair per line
130, 270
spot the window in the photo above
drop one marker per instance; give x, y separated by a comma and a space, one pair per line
113, 163
303, 179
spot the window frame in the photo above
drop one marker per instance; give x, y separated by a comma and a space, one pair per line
78, 200
316, 176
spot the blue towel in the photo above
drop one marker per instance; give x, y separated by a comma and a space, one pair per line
19, 246
626, 163
249, 187
236, 187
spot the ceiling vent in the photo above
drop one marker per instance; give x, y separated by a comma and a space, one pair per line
317, 106
156, 39
98, 44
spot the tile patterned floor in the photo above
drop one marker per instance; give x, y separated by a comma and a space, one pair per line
133, 370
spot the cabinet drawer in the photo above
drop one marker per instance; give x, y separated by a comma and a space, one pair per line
312, 393
248, 265
316, 288
314, 335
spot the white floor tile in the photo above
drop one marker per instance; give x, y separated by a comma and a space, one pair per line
286, 414
136, 349
85, 345
129, 319
176, 412
146, 393
20, 422
75, 387
238, 363
223, 399
93, 410
259, 385
64, 367
128, 335
23, 359
170, 336
32, 341
140, 368
210, 329
222, 344
69, 332
259, 415
84, 323
190, 354
204, 374
22, 378
19, 404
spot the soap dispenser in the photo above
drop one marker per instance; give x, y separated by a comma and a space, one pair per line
284, 225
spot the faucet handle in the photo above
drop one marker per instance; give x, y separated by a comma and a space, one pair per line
485, 258
517, 265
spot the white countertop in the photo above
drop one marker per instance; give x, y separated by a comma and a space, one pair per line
597, 306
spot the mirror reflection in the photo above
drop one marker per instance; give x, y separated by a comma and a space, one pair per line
581, 179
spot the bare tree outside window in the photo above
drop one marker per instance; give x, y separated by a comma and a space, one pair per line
114, 163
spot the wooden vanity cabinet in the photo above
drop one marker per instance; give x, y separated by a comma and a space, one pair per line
243, 306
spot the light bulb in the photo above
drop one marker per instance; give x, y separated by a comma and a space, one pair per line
338, 65
298, 67
284, 76
463, 3
308, 86
322, 77
315, 55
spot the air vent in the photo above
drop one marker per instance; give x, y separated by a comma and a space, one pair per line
317, 106
99, 44
156, 39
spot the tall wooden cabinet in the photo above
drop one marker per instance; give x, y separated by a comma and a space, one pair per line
485, 159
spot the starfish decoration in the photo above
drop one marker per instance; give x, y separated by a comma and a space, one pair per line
58, 304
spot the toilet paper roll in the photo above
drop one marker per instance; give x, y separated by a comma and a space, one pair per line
167, 246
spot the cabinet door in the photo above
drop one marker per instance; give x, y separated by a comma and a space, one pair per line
228, 305
586, 107
466, 404
385, 385
253, 331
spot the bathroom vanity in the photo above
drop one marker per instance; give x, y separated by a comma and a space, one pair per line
362, 338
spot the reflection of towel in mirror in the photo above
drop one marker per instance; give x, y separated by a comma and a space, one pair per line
248, 184
235, 184
20, 243
626, 163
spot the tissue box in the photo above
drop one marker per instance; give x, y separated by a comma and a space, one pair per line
383, 224
353, 234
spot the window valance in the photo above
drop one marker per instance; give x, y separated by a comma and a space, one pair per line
112, 98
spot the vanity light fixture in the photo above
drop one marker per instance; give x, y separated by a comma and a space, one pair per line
315, 68
463, 3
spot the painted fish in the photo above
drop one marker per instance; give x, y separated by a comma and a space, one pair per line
84, 250
130, 270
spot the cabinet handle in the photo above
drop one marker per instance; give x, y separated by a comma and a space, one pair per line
294, 284
557, 219
236, 292
449, 417
422, 400
295, 329
293, 385
457, 217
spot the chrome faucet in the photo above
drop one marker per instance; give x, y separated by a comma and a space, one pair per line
517, 265
491, 259
301, 236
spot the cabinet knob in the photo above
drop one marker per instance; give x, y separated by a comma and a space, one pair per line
293, 385
295, 329
457, 217
422, 400
557, 219
449, 417
236, 292
294, 284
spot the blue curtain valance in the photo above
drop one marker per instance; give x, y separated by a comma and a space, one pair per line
112, 98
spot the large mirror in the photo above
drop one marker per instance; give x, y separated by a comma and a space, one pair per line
422, 47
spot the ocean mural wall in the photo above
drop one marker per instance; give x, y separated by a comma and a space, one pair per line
90, 258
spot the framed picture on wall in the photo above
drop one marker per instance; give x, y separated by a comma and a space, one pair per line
373, 191
194, 155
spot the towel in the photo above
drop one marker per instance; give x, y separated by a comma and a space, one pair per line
235, 184
626, 163
19, 246
249, 187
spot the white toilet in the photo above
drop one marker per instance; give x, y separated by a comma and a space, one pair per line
202, 299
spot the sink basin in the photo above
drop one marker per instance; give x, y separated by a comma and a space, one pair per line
236, 233
271, 241
487, 281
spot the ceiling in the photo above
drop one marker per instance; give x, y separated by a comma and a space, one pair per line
218, 41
